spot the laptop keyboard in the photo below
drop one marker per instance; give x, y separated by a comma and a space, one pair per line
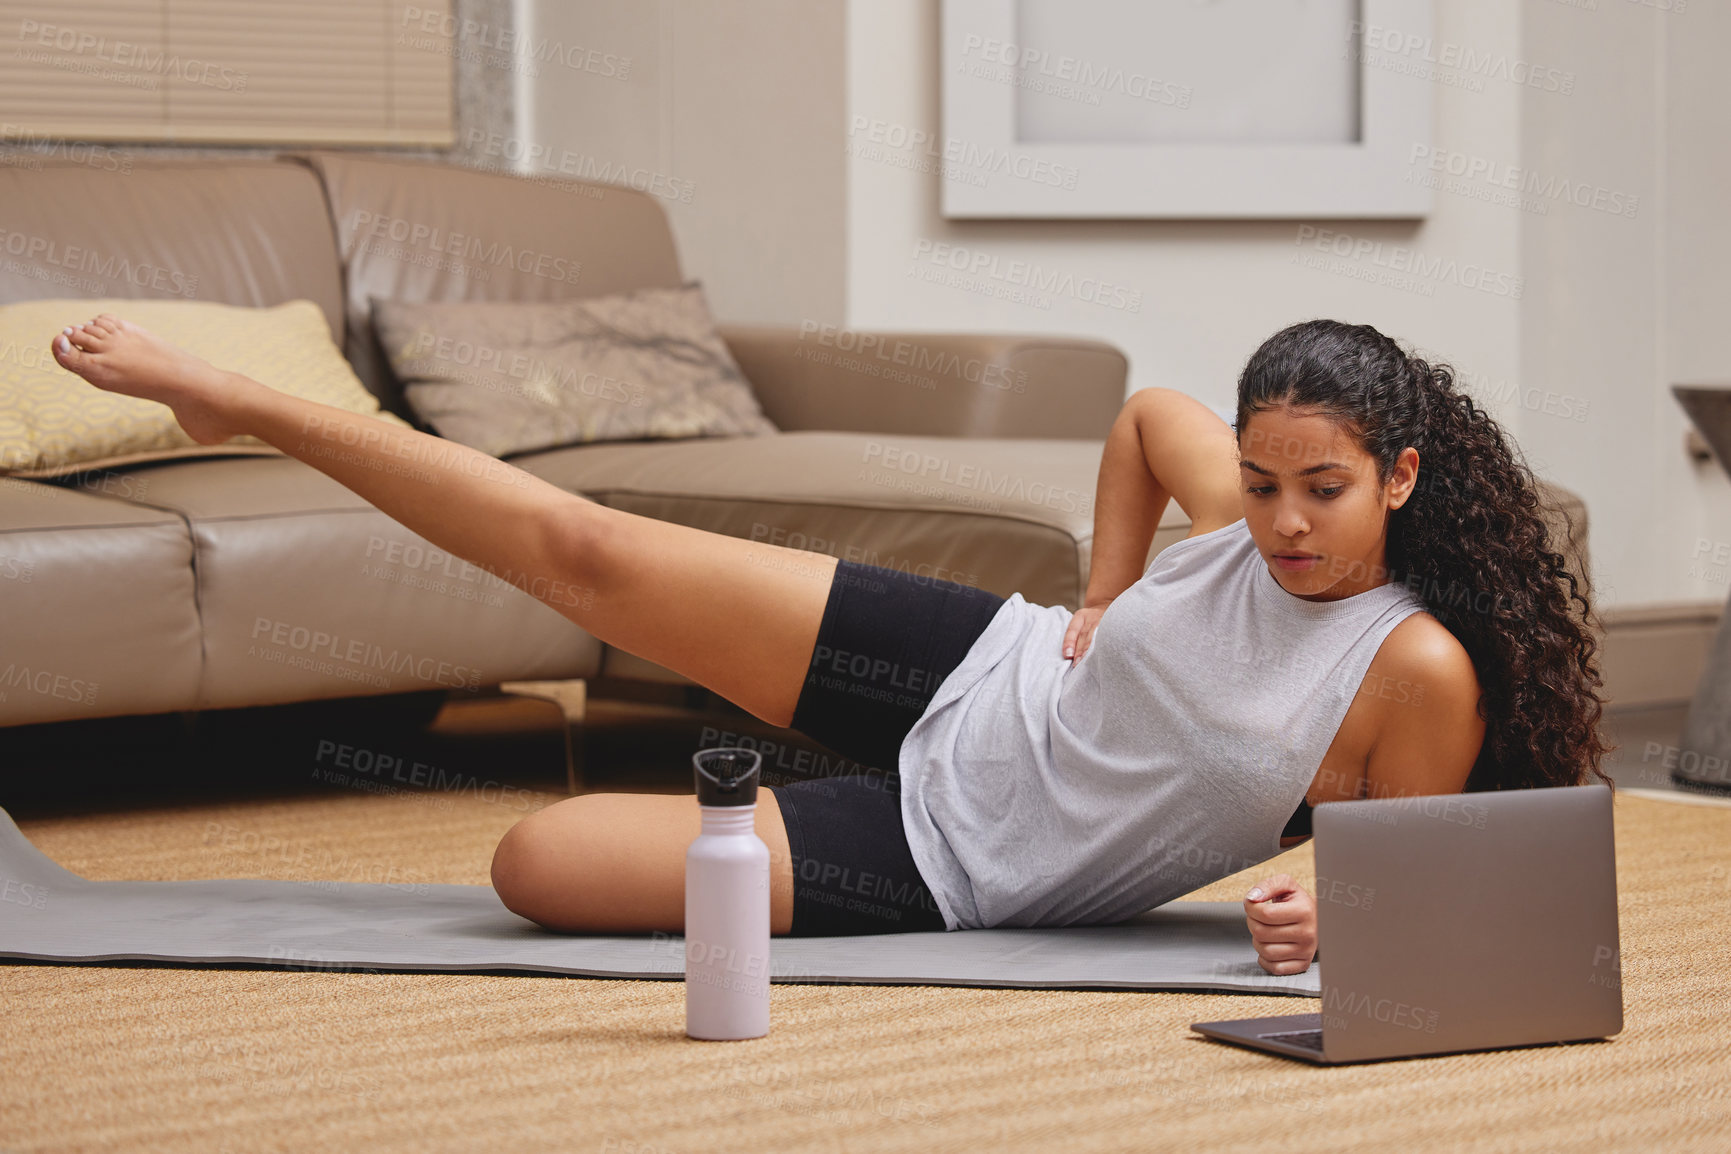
1309, 1039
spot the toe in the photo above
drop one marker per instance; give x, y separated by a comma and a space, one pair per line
68, 354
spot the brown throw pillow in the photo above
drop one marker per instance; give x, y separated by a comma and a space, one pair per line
510, 377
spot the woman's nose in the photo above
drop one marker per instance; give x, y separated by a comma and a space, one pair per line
1289, 523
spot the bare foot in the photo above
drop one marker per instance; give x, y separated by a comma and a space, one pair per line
120, 357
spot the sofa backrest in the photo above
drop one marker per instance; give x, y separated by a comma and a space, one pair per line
429, 231
241, 232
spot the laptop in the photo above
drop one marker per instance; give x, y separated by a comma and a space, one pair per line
1457, 922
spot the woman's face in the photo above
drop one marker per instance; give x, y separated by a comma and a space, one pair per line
1313, 504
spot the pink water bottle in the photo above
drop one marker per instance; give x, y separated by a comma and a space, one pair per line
727, 903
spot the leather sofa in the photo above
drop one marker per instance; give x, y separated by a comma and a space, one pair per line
234, 581
252, 580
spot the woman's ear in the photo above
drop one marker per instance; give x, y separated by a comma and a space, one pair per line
1404, 478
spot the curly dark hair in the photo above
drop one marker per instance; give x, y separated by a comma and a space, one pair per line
1469, 540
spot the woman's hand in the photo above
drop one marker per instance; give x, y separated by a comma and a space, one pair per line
1080, 634
1282, 921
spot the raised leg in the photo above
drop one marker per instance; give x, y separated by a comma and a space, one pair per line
740, 617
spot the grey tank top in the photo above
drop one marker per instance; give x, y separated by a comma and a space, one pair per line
1041, 792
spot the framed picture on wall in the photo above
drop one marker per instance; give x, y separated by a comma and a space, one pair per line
1190, 109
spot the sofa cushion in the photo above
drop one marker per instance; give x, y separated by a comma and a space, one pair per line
507, 377
425, 231
97, 612
242, 232
306, 591
53, 423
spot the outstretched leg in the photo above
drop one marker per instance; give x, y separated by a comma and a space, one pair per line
739, 617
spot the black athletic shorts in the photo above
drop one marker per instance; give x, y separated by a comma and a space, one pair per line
887, 641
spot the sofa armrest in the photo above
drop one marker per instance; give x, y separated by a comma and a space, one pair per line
933, 384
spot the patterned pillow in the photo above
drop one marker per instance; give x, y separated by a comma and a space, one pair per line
53, 423
509, 377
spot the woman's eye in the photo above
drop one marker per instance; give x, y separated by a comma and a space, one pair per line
1331, 491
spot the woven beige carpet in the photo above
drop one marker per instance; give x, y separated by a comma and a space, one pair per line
141, 1059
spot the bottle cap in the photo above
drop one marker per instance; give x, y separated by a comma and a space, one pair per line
727, 776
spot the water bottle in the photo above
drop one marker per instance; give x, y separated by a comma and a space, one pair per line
727, 903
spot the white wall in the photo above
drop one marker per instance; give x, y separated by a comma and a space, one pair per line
1612, 308
732, 113
1210, 291
1620, 307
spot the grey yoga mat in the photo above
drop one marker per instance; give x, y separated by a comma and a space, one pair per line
48, 913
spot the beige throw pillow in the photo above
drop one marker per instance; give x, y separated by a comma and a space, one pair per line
54, 423
509, 377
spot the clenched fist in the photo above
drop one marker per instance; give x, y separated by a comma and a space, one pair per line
1282, 921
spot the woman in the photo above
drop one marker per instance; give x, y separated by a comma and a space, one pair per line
1367, 605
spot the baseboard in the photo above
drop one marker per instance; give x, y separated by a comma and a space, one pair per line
1653, 654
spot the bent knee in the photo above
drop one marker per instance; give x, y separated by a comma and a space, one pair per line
525, 873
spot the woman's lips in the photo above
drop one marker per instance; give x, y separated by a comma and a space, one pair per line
1295, 561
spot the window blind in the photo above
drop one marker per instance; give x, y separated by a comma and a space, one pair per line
229, 71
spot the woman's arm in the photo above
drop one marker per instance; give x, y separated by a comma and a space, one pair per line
1163, 446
